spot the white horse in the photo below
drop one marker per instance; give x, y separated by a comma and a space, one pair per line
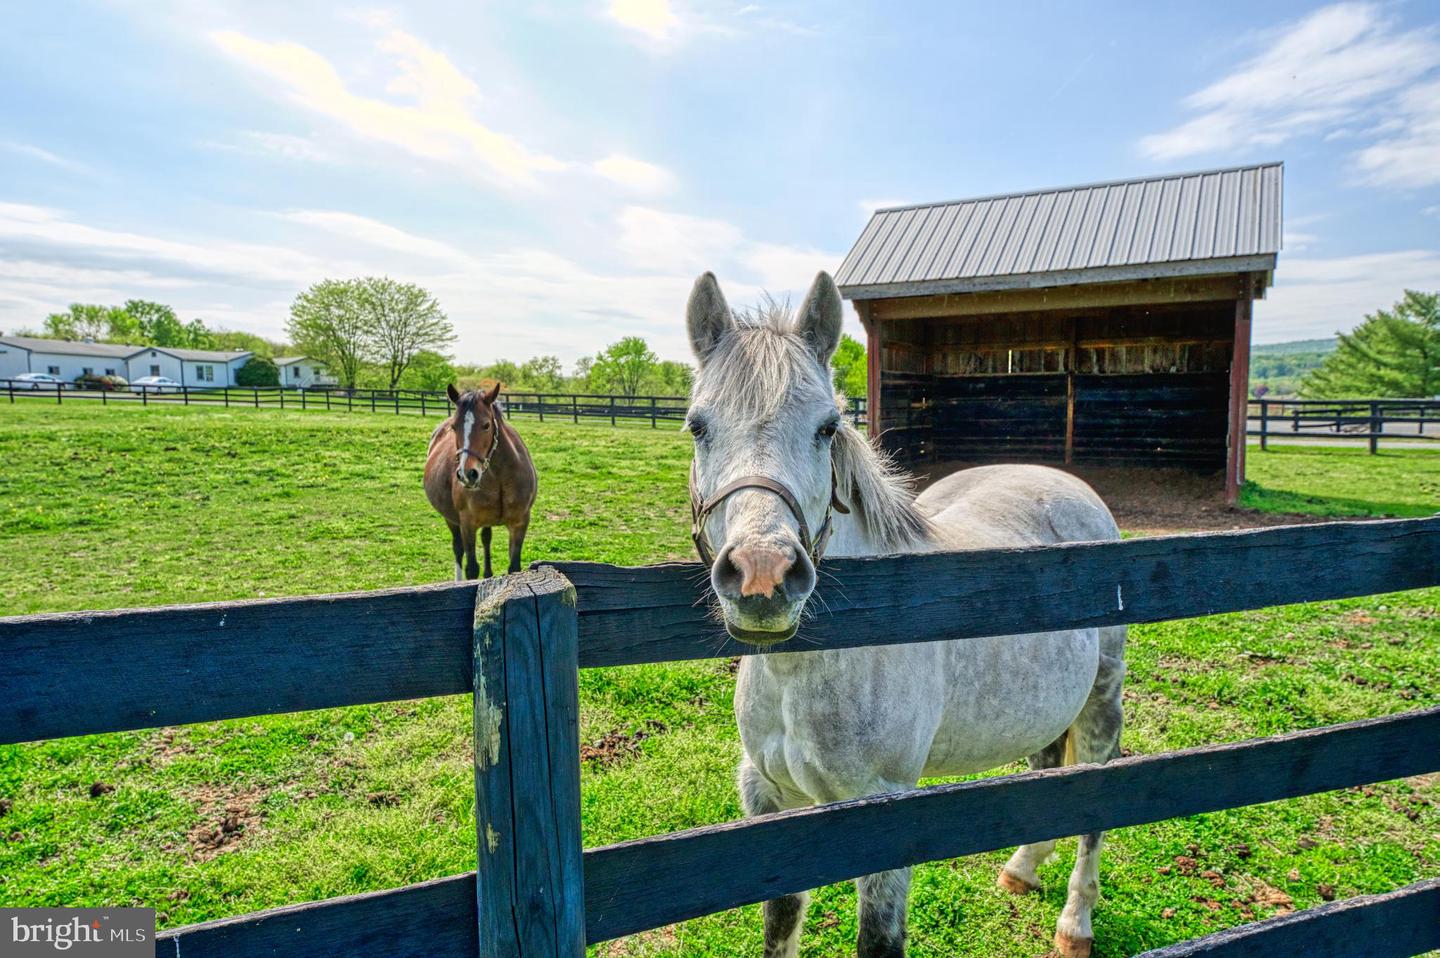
772, 453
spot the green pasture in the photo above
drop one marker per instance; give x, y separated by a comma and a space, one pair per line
102, 507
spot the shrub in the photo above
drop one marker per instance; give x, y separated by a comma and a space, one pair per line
258, 371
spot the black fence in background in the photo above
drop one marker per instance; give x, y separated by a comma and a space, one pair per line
566, 406
1369, 420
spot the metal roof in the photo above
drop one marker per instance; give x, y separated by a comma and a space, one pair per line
69, 347
1215, 221
72, 347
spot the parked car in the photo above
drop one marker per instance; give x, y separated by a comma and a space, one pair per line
108, 383
157, 384
38, 381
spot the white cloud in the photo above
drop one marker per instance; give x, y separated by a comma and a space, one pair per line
44, 156
1316, 297
434, 121
516, 302
663, 242
1343, 66
636, 175
284, 145
1412, 156
653, 18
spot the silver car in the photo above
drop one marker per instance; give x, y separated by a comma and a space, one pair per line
39, 381
155, 384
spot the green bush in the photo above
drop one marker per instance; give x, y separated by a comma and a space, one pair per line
258, 371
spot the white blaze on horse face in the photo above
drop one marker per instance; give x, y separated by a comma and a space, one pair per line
467, 434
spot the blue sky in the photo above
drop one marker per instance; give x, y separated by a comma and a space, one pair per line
559, 173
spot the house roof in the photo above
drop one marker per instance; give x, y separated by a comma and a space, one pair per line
68, 347
1214, 221
289, 360
196, 355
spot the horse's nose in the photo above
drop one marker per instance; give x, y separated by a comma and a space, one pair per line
763, 570
470, 476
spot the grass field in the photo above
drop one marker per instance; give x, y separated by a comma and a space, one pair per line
102, 508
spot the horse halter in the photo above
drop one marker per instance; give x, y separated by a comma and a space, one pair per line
700, 509
464, 451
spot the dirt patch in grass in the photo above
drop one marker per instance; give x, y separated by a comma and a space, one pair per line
617, 746
226, 819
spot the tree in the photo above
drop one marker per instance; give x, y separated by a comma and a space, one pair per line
623, 366
328, 322
672, 379
428, 370
501, 371
584, 369
543, 374
849, 367
258, 371
1393, 353
400, 320
82, 321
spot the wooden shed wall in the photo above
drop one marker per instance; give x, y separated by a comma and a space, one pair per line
1133, 385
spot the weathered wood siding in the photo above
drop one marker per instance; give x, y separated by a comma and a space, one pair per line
1125, 385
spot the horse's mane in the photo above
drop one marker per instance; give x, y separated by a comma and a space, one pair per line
763, 360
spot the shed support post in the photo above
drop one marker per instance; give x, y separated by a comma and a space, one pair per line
530, 882
1239, 393
873, 345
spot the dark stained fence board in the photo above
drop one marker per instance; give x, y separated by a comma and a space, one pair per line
660, 613
628, 886
1397, 924
183, 664
86, 672
652, 882
435, 919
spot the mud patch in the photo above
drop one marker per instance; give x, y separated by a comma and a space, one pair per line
226, 820
617, 746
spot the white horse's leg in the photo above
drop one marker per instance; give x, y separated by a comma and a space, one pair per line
883, 897
784, 916
1095, 737
1020, 874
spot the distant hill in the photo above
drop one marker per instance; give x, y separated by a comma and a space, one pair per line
1281, 366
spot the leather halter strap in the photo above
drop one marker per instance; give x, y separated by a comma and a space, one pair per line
700, 509
464, 451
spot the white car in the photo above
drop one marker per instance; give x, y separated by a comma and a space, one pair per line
39, 381
155, 384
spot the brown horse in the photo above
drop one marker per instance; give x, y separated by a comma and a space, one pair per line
480, 476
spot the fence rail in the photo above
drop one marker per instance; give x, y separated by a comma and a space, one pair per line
1367, 420
517, 643
572, 407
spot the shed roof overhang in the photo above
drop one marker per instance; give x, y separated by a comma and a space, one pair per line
1262, 265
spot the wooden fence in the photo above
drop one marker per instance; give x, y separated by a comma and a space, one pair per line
1367, 420
516, 644
562, 406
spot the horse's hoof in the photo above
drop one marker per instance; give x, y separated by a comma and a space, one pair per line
1068, 947
1014, 884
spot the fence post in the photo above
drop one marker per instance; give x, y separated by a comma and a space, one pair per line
10, 386
395, 394
652, 413
302, 398
530, 883
540, 405
256, 390
372, 400
144, 395
184, 395
227, 397
282, 397
574, 408
612, 410
1375, 426
1264, 425
327, 400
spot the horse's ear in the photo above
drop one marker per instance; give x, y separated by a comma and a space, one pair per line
453, 393
707, 316
821, 317
493, 394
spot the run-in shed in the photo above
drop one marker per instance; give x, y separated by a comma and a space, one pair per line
1101, 325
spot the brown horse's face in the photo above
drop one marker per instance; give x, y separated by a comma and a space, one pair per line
474, 425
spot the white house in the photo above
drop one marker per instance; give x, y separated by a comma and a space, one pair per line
190, 367
303, 372
64, 358
71, 359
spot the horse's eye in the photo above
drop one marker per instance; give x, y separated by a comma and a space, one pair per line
697, 428
827, 431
